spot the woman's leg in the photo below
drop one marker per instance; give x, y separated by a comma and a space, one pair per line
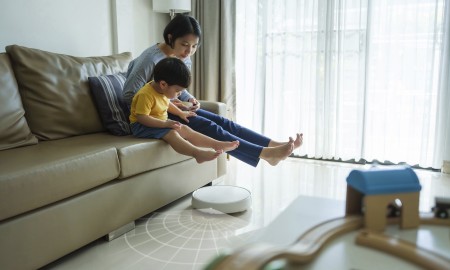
273, 155
297, 142
184, 147
245, 133
234, 128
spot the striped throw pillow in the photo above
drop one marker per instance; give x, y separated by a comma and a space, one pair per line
107, 91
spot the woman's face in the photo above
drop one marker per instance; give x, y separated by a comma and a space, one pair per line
185, 46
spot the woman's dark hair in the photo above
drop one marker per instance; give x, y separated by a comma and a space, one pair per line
173, 71
180, 26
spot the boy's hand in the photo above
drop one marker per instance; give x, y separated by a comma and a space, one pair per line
185, 114
173, 124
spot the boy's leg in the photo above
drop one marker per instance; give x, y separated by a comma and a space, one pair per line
186, 148
201, 140
246, 152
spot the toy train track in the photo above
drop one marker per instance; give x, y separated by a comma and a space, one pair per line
403, 249
303, 251
309, 245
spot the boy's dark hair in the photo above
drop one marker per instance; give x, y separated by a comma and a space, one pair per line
173, 71
180, 26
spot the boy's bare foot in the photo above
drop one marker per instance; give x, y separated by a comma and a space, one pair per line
206, 155
298, 140
273, 155
227, 146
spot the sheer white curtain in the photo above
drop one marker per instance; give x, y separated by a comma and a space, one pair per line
361, 79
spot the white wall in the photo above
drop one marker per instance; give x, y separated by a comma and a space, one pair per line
138, 26
81, 27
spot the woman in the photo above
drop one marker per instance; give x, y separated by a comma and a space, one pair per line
182, 36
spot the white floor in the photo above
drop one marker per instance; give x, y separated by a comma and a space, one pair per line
178, 237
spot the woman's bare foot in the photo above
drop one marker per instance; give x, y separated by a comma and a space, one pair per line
227, 146
297, 143
273, 155
298, 140
206, 155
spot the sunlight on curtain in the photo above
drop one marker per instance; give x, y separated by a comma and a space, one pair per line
360, 79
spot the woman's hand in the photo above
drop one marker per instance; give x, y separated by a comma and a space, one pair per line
195, 104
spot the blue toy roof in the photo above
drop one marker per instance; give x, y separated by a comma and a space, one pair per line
384, 181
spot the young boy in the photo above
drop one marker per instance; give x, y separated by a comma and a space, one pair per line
149, 119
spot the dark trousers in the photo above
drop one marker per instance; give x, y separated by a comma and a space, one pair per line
222, 129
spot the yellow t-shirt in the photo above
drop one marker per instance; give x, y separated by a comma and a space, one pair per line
149, 102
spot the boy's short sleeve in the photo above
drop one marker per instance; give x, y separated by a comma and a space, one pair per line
144, 103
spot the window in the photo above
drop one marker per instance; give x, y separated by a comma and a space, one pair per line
361, 79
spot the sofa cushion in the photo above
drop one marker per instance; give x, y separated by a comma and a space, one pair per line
14, 130
108, 97
136, 155
146, 155
55, 90
37, 175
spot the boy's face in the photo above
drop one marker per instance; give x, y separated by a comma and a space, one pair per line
172, 91
185, 46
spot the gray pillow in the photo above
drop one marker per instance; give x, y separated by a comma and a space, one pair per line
108, 97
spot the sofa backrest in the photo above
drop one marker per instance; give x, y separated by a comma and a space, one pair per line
55, 91
14, 130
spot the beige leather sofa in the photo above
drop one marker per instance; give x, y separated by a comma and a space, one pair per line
64, 180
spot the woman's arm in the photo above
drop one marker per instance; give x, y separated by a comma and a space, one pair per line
185, 95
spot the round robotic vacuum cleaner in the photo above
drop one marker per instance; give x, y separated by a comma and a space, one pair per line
225, 199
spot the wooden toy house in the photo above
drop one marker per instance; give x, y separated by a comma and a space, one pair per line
370, 192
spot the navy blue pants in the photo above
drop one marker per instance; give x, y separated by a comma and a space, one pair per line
222, 129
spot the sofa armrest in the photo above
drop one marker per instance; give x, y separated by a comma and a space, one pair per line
214, 107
